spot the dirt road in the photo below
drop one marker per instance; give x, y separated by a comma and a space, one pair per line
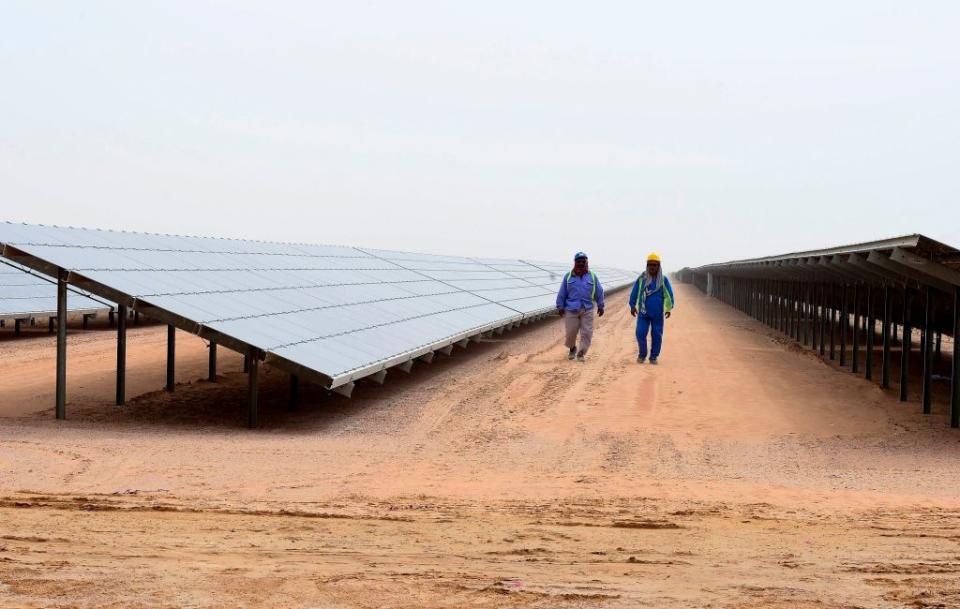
741, 472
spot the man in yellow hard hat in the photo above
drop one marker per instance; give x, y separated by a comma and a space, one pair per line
651, 302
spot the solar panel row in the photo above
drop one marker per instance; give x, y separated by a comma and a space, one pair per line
26, 294
343, 312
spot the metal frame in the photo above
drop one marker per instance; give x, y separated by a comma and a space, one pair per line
341, 383
31, 316
907, 265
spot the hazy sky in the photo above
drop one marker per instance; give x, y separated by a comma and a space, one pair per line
706, 131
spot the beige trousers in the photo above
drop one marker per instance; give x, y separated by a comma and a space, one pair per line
578, 321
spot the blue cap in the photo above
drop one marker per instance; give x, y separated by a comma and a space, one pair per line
579, 255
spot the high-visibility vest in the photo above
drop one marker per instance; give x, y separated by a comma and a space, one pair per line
593, 292
667, 299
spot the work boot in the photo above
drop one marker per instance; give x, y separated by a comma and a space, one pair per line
572, 354
581, 357
653, 361
641, 359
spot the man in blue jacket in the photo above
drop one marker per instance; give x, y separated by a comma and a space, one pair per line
578, 294
651, 298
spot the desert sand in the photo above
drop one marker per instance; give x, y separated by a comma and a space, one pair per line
740, 472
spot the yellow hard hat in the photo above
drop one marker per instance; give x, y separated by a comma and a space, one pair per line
654, 257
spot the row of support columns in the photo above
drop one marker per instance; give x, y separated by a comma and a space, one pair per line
121, 323
251, 366
251, 360
824, 315
51, 322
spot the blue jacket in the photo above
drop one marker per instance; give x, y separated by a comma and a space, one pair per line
655, 300
580, 292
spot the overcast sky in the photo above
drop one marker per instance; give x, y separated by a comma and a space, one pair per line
707, 131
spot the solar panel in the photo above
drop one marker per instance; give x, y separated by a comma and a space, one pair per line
26, 294
342, 312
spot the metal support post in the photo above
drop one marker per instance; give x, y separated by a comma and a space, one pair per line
844, 325
955, 367
122, 355
61, 406
212, 362
253, 389
885, 360
855, 367
294, 392
927, 345
871, 333
906, 345
171, 356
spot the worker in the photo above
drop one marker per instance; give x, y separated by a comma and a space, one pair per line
651, 301
580, 294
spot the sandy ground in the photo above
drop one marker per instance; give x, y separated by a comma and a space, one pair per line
741, 472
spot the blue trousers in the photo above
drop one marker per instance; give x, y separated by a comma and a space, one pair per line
646, 323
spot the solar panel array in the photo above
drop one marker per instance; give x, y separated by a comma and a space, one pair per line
344, 312
26, 294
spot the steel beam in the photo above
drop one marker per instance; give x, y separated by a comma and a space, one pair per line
840, 266
875, 273
937, 275
901, 273
880, 274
